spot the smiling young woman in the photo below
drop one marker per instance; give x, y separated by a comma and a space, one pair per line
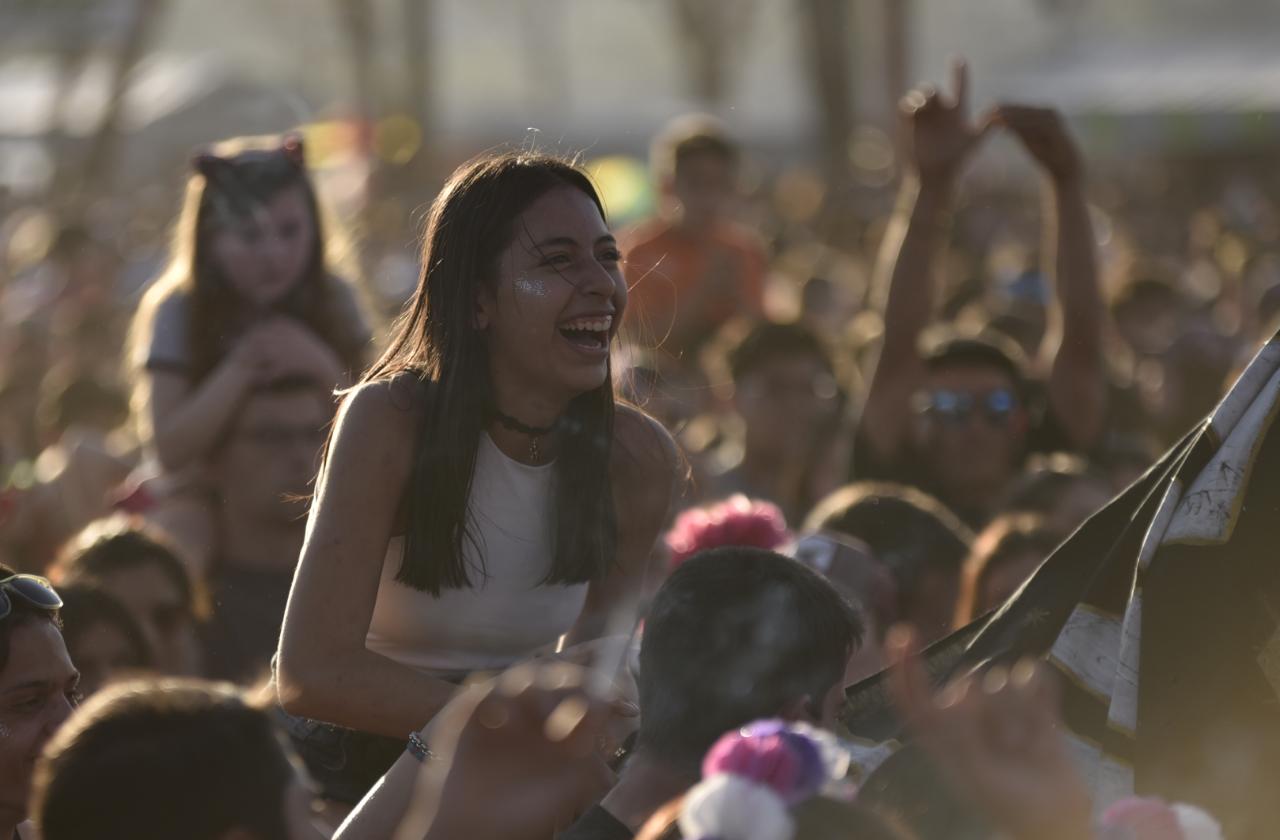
483, 494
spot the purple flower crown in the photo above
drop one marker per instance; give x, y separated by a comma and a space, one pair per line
752, 777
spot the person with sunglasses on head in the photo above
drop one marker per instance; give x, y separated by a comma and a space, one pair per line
249, 296
958, 418
39, 688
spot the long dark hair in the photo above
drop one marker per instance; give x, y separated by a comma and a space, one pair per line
228, 183
470, 223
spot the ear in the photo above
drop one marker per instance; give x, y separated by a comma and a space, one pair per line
485, 309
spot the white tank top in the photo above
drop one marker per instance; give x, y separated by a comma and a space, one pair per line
508, 612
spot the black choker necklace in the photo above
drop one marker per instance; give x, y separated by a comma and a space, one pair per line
534, 433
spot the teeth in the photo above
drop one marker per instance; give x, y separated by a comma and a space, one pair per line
590, 324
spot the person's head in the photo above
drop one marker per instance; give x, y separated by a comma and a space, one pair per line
520, 297
265, 464
1004, 555
102, 637
696, 162
38, 684
734, 635
784, 386
142, 571
1062, 488
173, 758
250, 240
1147, 311
257, 225
970, 417
921, 542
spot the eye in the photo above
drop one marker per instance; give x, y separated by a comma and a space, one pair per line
611, 255
31, 704
290, 230
557, 260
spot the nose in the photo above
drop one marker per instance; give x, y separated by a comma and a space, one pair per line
598, 281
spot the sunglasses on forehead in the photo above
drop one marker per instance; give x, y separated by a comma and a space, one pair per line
35, 591
996, 407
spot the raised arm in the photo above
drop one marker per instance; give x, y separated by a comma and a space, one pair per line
939, 139
324, 670
1077, 381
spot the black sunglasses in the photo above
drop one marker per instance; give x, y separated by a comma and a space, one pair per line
34, 590
996, 406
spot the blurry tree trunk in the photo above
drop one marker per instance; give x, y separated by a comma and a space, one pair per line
98, 170
356, 26
708, 31
419, 46
897, 29
828, 40
70, 56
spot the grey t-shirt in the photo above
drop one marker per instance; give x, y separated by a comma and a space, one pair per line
169, 347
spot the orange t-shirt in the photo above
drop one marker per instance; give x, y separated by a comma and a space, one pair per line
687, 284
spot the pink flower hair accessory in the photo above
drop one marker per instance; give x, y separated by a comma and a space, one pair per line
1151, 818
735, 521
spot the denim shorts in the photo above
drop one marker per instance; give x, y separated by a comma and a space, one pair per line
344, 763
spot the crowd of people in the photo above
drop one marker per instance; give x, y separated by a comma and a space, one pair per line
591, 538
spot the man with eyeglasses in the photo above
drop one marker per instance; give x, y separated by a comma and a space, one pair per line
38, 689
958, 418
262, 475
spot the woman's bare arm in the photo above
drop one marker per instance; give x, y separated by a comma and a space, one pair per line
186, 422
324, 670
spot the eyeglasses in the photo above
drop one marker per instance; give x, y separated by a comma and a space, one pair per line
31, 589
996, 407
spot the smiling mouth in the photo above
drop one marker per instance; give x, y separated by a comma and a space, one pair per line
588, 333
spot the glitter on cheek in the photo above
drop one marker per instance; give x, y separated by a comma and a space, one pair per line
531, 287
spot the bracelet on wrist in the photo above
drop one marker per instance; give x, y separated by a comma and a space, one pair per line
418, 748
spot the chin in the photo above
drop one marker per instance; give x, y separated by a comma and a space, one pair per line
581, 381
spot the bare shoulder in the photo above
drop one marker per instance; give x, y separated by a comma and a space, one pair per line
646, 458
380, 420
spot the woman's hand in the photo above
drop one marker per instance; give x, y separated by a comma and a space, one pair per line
1043, 133
282, 346
513, 758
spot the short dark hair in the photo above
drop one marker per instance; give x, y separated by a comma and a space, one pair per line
688, 136
768, 340
908, 530
116, 543
20, 613
946, 347
85, 605
163, 759
733, 635
1151, 285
